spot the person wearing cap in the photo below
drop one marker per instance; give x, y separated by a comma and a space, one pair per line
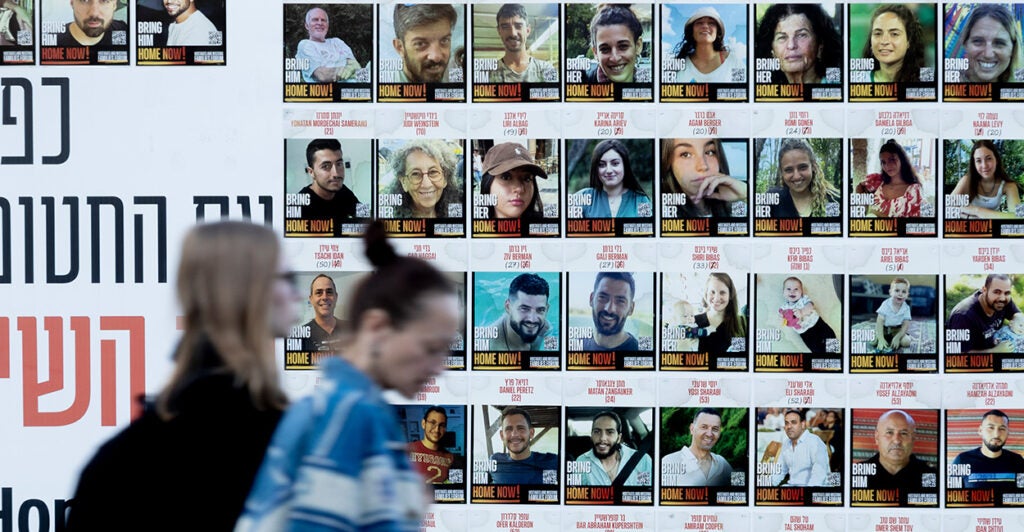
510, 175
707, 58
524, 325
517, 65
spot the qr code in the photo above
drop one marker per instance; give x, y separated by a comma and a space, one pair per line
832, 209
215, 38
644, 210
1020, 480
928, 480
739, 208
455, 210
550, 476
737, 344
119, 38
550, 343
738, 478
1018, 74
551, 75
927, 74
833, 75
24, 38
1019, 210
457, 344
362, 210
643, 75
455, 476
738, 75
833, 479
646, 343
860, 76
643, 478
551, 211
832, 345
363, 75
455, 75
927, 210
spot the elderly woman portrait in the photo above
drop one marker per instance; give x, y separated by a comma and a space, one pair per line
426, 177
804, 40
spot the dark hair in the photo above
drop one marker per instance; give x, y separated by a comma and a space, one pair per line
512, 10
611, 414
325, 276
733, 323
514, 410
530, 284
688, 46
707, 410
1003, 16
907, 172
793, 411
615, 15
824, 29
409, 16
716, 208
397, 283
1000, 276
910, 70
618, 276
629, 180
534, 211
996, 412
974, 178
316, 145
437, 409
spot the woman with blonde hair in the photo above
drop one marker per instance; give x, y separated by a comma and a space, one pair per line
198, 446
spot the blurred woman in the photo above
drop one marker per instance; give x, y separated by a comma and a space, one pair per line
338, 459
987, 185
896, 43
426, 178
722, 314
616, 39
699, 169
896, 191
800, 183
614, 191
200, 444
708, 60
803, 38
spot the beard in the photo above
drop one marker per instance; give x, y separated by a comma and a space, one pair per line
612, 329
612, 450
994, 447
96, 31
517, 326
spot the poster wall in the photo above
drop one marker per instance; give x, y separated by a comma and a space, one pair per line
748, 266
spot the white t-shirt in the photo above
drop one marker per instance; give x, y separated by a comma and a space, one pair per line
893, 317
195, 31
332, 52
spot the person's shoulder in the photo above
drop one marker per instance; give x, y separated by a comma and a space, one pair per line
118, 25
545, 459
970, 455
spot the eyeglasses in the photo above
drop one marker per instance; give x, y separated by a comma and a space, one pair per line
436, 176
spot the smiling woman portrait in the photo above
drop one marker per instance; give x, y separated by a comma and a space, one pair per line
614, 190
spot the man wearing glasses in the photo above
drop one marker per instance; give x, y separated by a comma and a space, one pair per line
94, 24
428, 454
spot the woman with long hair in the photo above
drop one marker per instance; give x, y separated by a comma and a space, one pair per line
510, 175
338, 459
699, 169
800, 182
614, 191
708, 59
896, 191
990, 41
425, 178
199, 445
987, 185
722, 314
616, 39
896, 43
